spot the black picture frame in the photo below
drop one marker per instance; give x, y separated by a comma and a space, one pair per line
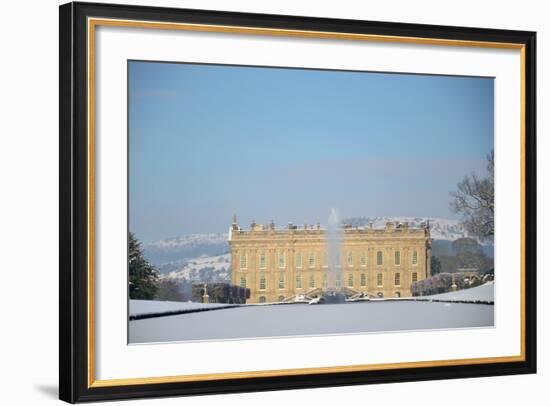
74, 385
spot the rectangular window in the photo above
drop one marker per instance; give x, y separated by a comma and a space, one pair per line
415, 276
363, 259
363, 279
350, 258
350, 280
281, 259
282, 281
338, 281
312, 281
397, 257
243, 261
298, 281
312, 260
379, 258
415, 257
397, 281
262, 282
262, 260
379, 280
298, 260
325, 281
243, 282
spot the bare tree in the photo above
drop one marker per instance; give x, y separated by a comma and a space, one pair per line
474, 199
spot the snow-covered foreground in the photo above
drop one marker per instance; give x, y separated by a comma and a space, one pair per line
149, 307
483, 293
300, 319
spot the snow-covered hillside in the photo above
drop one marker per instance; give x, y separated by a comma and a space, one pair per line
441, 228
185, 248
204, 269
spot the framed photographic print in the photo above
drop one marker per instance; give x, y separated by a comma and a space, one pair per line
257, 202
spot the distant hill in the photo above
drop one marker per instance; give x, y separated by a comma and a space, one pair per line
445, 247
202, 269
184, 248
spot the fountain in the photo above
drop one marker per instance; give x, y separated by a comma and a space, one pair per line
333, 291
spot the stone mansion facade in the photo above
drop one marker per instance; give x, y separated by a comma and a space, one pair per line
279, 264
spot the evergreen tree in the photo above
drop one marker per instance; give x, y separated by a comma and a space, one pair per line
143, 276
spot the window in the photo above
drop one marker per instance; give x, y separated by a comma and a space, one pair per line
397, 281
262, 299
379, 258
415, 257
325, 259
350, 258
262, 281
243, 282
415, 276
299, 260
338, 281
243, 261
397, 294
350, 280
397, 257
325, 281
379, 280
282, 281
281, 259
298, 281
311, 281
363, 279
363, 259
262, 260
312, 260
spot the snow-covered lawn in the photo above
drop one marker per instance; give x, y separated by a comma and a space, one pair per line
300, 319
241, 321
483, 293
149, 307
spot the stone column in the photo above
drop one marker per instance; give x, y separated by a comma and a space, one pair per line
428, 259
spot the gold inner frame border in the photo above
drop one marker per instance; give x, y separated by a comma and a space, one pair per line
94, 22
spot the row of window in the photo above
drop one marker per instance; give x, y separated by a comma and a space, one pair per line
311, 259
338, 282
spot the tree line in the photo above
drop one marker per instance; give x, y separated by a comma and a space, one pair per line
474, 201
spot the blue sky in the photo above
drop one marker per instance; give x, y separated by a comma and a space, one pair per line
207, 141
